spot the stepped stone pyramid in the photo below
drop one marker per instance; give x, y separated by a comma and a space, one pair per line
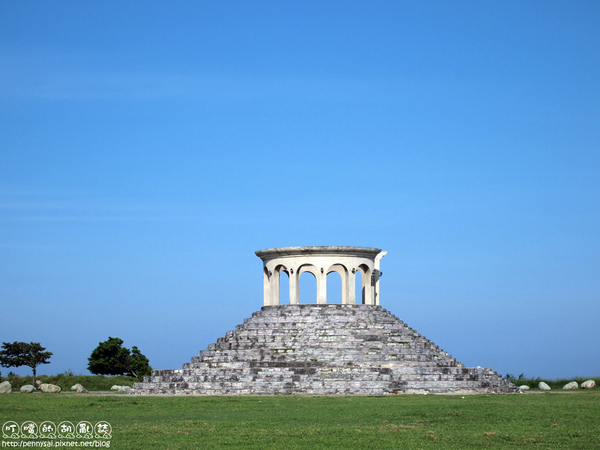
322, 349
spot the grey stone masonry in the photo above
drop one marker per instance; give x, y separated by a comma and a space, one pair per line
322, 350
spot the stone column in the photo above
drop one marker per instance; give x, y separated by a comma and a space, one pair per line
351, 288
321, 287
275, 279
294, 288
344, 277
267, 287
378, 275
368, 287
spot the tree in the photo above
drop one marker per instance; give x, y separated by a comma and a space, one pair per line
20, 354
139, 363
111, 358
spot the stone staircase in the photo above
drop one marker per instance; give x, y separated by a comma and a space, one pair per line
322, 350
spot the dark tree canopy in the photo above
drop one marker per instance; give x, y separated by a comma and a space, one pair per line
111, 358
20, 354
139, 363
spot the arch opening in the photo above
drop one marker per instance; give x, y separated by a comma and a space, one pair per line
284, 288
307, 285
358, 288
334, 287
363, 284
276, 284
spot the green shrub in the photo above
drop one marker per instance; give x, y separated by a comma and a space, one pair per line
68, 379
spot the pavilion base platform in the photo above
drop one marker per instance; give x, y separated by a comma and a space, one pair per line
328, 349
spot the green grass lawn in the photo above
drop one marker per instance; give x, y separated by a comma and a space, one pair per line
549, 420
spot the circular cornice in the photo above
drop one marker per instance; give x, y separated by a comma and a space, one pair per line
334, 250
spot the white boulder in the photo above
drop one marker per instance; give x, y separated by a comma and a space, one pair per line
118, 388
571, 385
589, 384
50, 388
543, 386
27, 389
5, 387
79, 388
524, 388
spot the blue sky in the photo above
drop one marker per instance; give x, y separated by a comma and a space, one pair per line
147, 149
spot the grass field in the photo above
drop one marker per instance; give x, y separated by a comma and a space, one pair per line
540, 420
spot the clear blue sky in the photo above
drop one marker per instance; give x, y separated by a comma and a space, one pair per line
147, 149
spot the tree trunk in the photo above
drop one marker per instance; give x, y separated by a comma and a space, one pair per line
34, 385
